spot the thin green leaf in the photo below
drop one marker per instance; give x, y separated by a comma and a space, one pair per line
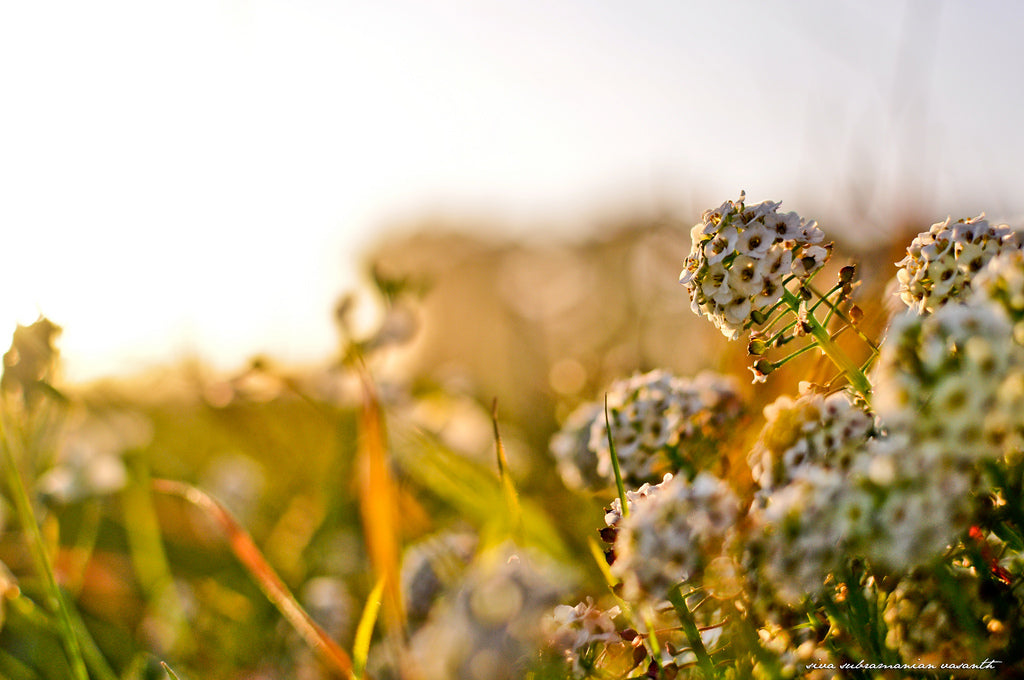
507, 487
615, 460
170, 672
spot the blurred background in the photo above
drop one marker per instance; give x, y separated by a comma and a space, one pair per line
216, 200
203, 180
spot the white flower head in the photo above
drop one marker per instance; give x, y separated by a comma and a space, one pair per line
941, 263
740, 258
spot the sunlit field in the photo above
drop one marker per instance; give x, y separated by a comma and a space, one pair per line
735, 446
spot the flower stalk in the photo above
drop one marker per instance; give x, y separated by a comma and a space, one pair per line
858, 381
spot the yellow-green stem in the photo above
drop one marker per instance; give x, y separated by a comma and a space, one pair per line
678, 600
27, 519
844, 363
615, 461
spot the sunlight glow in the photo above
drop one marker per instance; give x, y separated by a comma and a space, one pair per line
199, 177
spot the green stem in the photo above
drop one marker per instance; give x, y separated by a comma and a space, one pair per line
782, 331
615, 461
146, 546
27, 519
844, 363
825, 297
789, 357
678, 600
835, 309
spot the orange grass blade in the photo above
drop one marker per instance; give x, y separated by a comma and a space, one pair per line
378, 502
270, 583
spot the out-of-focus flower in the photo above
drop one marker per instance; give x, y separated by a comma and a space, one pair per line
939, 379
8, 589
431, 566
812, 430
925, 625
613, 514
895, 503
905, 504
669, 537
576, 460
941, 263
89, 460
1002, 282
574, 631
31, 360
490, 629
329, 602
794, 649
237, 481
794, 541
660, 424
741, 257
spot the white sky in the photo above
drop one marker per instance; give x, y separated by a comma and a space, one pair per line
198, 176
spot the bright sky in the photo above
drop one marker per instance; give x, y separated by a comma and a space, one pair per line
199, 176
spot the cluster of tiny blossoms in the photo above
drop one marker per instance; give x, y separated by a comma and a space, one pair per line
741, 259
922, 624
890, 492
941, 262
812, 430
490, 627
939, 379
660, 424
669, 537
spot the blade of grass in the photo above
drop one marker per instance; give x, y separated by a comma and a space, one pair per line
29, 524
378, 504
245, 550
469, 488
364, 631
602, 562
145, 544
170, 672
508, 489
615, 460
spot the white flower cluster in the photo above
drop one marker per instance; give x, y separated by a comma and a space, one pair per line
613, 514
575, 460
669, 537
1002, 282
902, 508
941, 262
893, 507
490, 629
741, 258
794, 540
881, 498
943, 380
797, 649
430, 566
812, 430
575, 630
660, 424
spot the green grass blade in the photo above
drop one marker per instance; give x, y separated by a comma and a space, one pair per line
615, 460
507, 487
170, 672
27, 519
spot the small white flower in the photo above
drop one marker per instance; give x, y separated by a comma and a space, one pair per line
785, 226
745, 276
755, 240
722, 245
